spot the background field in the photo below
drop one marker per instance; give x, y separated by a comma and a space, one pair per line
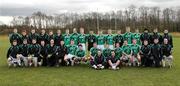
84, 76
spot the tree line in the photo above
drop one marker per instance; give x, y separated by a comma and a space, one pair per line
137, 18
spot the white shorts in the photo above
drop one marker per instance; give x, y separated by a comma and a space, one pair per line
23, 58
168, 58
70, 56
125, 58
34, 59
100, 47
111, 47
12, 60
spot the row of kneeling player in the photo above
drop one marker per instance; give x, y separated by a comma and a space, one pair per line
155, 55
127, 55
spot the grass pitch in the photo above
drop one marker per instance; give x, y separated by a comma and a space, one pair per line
83, 75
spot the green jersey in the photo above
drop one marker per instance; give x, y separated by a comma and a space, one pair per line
13, 51
80, 53
34, 49
15, 36
67, 39
33, 36
118, 52
72, 49
128, 36
109, 40
93, 51
126, 49
107, 52
74, 36
118, 38
135, 49
82, 38
100, 40
137, 37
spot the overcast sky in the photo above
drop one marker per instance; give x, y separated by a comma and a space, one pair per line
27, 7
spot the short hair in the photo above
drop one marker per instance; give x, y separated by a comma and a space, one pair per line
146, 29
80, 45
33, 39
112, 50
24, 39
24, 31
14, 40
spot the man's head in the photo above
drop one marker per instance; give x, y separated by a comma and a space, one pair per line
50, 32
33, 31
119, 32
15, 30
166, 31
117, 45
128, 29
113, 53
72, 42
134, 41
100, 32
91, 32
99, 52
62, 42
58, 31
24, 32
145, 42
52, 41
125, 42
34, 41
14, 42
155, 30
109, 31
82, 30
165, 41
80, 47
94, 44
25, 41
146, 31
43, 31
42, 43
156, 41
137, 31
67, 31
74, 30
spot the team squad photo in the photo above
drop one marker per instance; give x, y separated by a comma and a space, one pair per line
99, 51
89, 42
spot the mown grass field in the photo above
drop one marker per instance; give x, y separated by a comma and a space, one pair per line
83, 75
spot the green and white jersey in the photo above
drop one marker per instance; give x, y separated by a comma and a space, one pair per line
93, 51
127, 49
82, 38
100, 39
128, 36
109, 40
118, 52
107, 52
74, 36
72, 49
137, 37
34, 49
15, 36
67, 39
135, 49
80, 53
